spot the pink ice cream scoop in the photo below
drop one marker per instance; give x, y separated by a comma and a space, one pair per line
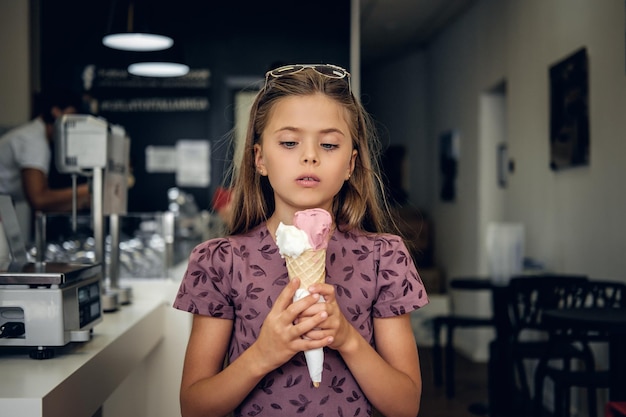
316, 223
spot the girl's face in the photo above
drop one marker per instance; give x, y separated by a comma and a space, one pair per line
306, 152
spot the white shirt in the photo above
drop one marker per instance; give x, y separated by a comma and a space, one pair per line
23, 147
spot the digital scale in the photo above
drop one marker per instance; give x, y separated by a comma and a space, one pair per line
44, 305
48, 305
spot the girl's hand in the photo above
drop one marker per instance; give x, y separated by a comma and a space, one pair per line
281, 335
335, 328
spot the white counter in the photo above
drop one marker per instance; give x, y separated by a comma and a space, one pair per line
81, 376
152, 390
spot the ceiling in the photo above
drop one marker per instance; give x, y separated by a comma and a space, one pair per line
389, 27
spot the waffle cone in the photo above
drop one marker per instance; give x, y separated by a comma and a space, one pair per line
310, 267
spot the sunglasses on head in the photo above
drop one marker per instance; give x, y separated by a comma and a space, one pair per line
327, 70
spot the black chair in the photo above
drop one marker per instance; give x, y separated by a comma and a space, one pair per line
597, 294
528, 297
451, 322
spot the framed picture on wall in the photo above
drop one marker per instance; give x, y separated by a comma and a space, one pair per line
569, 111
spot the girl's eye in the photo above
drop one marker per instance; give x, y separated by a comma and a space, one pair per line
288, 144
329, 146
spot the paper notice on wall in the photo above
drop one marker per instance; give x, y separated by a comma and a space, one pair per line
193, 163
160, 159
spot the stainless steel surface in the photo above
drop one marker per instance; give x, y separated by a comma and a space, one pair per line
110, 301
97, 215
74, 202
40, 236
45, 273
114, 252
125, 295
168, 235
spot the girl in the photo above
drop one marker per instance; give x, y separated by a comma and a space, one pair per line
309, 144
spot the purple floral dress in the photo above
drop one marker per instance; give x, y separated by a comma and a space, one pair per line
239, 277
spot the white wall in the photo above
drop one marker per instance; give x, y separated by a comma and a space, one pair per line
574, 218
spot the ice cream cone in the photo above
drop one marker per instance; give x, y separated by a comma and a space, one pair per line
310, 267
303, 245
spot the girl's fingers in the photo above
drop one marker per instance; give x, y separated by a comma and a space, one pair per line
286, 309
325, 290
284, 299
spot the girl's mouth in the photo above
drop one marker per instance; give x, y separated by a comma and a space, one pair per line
307, 180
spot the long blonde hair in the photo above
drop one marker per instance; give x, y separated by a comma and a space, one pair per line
359, 204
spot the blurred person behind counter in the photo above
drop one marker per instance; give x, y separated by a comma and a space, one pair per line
25, 156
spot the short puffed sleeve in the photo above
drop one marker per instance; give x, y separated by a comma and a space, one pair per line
400, 288
206, 285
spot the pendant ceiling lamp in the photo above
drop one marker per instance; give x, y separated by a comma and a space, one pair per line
166, 63
158, 69
130, 40
137, 41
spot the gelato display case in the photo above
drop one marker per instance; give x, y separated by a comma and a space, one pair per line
150, 244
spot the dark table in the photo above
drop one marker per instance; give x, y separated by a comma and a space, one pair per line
610, 320
501, 385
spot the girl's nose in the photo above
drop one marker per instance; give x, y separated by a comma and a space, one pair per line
309, 155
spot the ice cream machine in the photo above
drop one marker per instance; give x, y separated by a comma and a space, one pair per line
90, 146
